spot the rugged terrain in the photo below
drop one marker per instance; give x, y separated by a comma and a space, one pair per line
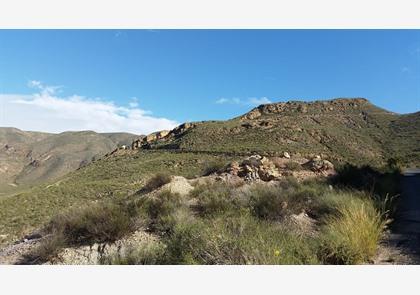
344, 130
28, 158
299, 139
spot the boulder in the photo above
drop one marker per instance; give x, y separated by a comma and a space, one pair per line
286, 155
317, 164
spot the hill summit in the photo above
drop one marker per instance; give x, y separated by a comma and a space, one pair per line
343, 129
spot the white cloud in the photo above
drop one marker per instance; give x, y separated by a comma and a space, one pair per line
46, 111
222, 100
252, 101
258, 101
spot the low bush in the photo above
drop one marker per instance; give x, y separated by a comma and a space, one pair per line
214, 198
47, 249
352, 236
97, 223
156, 181
383, 185
267, 202
274, 202
212, 167
161, 210
236, 239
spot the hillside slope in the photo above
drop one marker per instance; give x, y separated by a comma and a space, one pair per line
32, 157
344, 130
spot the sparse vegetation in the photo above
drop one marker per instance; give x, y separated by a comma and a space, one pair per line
238, 228
151, 253
212, 167
224, 223
236, 239
293, 166
96, 223
219, 224
161, 210
156, 181
215, 198
383, 185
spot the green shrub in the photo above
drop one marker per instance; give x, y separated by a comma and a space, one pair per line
97, 223
214, 198
161, 210
45, 251
352, 236
383, 186
212, 167
267, 202
156, 181
236, 239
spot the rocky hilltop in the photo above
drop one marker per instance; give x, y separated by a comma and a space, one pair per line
345, 130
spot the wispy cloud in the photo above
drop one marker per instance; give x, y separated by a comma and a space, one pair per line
258, 101
46, 111
252, 101
405, 70
134, 102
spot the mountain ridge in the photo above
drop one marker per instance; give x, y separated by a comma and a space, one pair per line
347, 130
29, 157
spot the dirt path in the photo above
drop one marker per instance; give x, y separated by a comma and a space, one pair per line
402, 244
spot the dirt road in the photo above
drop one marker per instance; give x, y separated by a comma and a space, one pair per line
402, 245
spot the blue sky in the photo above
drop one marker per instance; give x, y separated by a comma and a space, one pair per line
164, 77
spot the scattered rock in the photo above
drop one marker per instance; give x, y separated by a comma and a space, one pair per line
255, 167
317, 164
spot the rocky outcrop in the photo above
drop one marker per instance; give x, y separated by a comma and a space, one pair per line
147, 141
316, 107
255, 167
181, 129
155, 136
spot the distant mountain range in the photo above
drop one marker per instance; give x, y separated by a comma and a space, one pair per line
35, 157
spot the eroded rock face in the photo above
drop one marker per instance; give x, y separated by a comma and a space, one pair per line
155, 136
